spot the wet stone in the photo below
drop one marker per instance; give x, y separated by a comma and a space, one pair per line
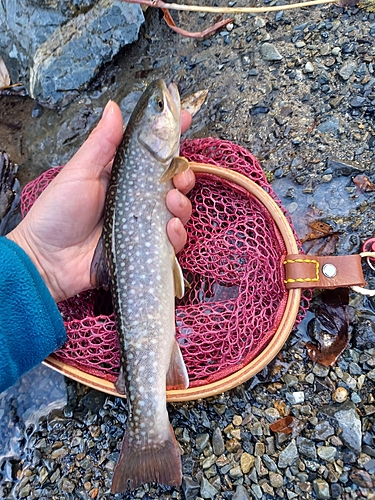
209, 462
260, 468
190, 488
267, 489
350, 424
276, 480
259, 449
361, 478
349, 381
207, 490
357, 102
269, 463
336, 490
270, 53
218, 445
288, 456
246, 462
235, 472
240, 493
347, 69
66, 485
202, 441
322, 431
331, 125
257, 491
271, 414
25, 491
340, 395
327, 453
321, 489
306, 447
257, 430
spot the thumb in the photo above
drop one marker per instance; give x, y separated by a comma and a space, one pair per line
100, 147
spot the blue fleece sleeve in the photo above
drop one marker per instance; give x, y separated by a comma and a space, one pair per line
31, 326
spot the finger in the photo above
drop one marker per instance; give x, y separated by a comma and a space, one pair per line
184, 181
176, 234
185, 120
100, 146
179, 205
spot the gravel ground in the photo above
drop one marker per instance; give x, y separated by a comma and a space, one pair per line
297, 88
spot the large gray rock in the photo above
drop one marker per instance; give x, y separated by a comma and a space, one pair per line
56, 47
345, 417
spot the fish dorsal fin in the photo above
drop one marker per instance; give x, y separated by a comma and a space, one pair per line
177, 376
178, 164
99, 274
178, 279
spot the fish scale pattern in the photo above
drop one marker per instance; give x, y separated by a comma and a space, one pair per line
232, 261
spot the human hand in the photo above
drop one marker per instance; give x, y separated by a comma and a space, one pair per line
61, 230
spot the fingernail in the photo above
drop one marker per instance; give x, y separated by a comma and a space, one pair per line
181, 199
178, 226
107, 109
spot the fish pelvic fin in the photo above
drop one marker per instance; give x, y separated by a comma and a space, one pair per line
99, 273
120, 383
178, 280
177, 376
160, 463
178, 164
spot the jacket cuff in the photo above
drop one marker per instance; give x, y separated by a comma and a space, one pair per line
31, 326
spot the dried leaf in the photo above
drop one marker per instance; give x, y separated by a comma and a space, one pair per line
320, 229
4, 75
321, 240
194, 102
331, 327
283, 425
363, 184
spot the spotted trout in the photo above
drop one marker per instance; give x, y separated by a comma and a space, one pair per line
135, 258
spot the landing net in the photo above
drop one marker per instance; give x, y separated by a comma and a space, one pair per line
232, 260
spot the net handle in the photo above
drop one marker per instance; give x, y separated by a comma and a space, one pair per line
275, 344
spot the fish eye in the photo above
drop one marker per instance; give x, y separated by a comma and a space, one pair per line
158, 104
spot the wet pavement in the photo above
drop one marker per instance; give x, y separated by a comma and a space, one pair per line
305, 108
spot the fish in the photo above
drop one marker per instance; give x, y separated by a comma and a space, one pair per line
135, 258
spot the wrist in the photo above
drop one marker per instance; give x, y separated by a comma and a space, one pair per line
18, 237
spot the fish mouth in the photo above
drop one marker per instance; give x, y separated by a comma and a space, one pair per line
173, 97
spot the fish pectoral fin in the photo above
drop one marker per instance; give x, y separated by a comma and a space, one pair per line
177, 376
178, 279
178, 164
160, 463
99, 274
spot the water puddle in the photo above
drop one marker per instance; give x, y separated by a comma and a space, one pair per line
337, 203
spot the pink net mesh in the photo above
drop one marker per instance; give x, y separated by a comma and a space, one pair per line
233, 262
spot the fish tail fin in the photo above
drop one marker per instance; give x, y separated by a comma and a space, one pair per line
160, 463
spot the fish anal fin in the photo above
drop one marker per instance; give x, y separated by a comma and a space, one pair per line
99, 274
160, 463
178, 279
178, 164
177, 376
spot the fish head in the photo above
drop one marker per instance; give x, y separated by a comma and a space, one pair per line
159, 120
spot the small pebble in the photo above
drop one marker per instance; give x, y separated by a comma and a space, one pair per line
340, 395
